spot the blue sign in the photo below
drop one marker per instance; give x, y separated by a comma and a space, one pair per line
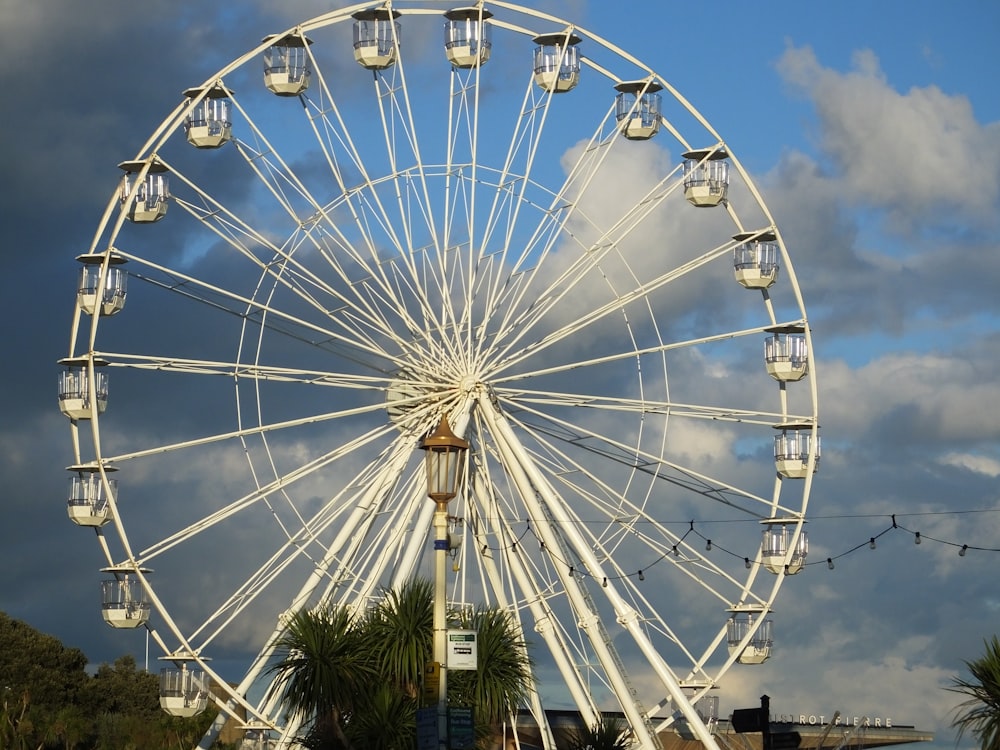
427, 728
461, 729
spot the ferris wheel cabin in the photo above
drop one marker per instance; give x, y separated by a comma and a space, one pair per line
557, 62
79, 395
786, 354
89, 493
747, 636
183, 689
755, 259
124, 601
144, 190
776, 553
101, 290
256, 737
286, 64
637, 109
467, 36
208, 123
793, 449
376, 38
706, 177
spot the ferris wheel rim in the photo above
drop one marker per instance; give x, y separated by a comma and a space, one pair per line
149, 160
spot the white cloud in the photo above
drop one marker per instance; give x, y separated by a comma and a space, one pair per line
917, 155
979, 464
941, 395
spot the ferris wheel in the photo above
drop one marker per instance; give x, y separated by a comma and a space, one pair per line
360, 227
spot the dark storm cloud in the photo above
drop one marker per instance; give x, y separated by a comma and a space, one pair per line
891, 221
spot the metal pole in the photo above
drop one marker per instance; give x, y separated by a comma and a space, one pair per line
765, 722
440, 617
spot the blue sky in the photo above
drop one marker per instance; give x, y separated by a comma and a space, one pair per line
873, 133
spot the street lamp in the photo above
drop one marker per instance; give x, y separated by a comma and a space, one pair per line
445, 456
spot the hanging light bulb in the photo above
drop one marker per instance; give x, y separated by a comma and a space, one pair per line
605, 584
916, 538
641, 576
746, 561
961, 552
708, 545
871, 542
829, 563
674, 550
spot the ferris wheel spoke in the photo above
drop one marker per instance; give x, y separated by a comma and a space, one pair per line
300, 540
416, 209
319, 225
507, 576
646, 406
243, 370
504, 357
511, 194
635, 458
282, 265
626, 523
365, 203
559, 534
352, 340
631, 354
550, 229
261, 495
248, 431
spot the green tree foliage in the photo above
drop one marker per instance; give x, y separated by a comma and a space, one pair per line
400, 633
609, 733
980, 713
324, 672
40, 665
48, 701
502, 682
358, 679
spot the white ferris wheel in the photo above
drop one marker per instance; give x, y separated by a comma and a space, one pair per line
359, 227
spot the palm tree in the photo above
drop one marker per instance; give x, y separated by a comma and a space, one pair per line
609, 733
357, 680
400, 634
502, 681
325, 671
980, 714
387, 721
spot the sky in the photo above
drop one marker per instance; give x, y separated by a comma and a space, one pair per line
872, 132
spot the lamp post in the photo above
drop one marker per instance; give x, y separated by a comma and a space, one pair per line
445, 456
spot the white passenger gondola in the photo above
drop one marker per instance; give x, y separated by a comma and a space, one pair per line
183, 689
144, 190
93, 296
755, 259
742, 621
557, 61
79, 394
208, 124
124, 601
376, 38
786, 354
638, 108
89, 493
706, 177
467, 36
776, 545
794, 448
286, 64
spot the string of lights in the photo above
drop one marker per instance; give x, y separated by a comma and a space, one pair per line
711, 545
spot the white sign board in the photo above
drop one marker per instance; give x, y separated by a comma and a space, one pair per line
462, 649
